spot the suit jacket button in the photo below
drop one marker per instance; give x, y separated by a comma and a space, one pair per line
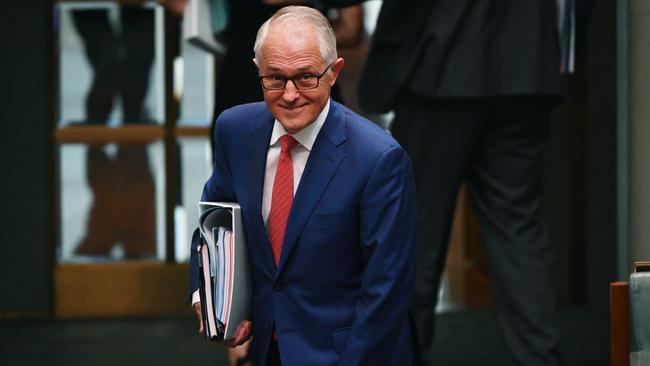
277, 286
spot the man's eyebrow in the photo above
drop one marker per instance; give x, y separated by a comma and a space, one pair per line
307, 69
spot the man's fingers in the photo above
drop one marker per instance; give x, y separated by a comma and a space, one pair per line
199, 316
242, 334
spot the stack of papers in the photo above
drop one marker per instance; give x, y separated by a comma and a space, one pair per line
224, 270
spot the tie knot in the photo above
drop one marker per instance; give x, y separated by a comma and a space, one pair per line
287, 142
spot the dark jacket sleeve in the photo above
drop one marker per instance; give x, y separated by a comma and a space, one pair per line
388, 239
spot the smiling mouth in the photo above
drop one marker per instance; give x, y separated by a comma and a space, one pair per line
293, 108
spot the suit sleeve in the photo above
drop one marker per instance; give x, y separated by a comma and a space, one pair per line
218, 188
388, 219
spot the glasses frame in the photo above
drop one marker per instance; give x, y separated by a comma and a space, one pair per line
292, 78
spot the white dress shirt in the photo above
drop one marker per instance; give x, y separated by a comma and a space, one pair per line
299, 155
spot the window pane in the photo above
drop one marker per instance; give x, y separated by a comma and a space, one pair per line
110, 63
112, 202
194, 84
196, 167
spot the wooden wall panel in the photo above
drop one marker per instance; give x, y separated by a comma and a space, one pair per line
120, 289
620, 323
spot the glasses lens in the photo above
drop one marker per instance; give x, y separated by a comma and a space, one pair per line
306, 82
272, 82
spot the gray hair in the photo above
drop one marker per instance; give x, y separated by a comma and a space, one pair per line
302, 15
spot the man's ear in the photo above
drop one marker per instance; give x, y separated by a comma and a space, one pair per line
255, 62
336, 68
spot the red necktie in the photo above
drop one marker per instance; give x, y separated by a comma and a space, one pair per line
282, 196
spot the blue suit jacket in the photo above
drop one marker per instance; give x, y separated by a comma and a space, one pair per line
341, 292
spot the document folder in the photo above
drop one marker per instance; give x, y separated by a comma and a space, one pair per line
639, 293
225, 287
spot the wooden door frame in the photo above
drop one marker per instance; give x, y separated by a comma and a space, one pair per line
122, 288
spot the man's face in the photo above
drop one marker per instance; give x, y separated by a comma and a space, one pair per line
289, 51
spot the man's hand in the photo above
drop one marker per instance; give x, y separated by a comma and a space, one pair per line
199, 314
238, 356
242, 334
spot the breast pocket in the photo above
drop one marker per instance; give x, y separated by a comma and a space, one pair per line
329, 239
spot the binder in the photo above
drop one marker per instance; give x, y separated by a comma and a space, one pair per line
224, 271
639, 295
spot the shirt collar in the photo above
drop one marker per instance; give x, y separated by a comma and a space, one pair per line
307, 136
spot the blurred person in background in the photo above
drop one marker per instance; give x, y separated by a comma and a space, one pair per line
472, 84
123, 212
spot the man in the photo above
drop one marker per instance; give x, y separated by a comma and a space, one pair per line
328, 207
471, 84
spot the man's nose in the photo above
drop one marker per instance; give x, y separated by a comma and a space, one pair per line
290, 92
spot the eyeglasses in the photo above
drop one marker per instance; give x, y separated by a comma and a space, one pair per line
301, 82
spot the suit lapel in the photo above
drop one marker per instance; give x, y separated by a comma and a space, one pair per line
257, 146
324, 160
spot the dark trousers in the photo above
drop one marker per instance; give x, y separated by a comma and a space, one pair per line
495, 145
121, 61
